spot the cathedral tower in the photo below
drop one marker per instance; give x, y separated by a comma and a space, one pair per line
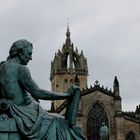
68, 67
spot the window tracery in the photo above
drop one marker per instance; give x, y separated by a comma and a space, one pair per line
96, 116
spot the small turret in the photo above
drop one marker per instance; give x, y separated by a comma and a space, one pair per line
116, 87
117, 98
52, 107
137, 112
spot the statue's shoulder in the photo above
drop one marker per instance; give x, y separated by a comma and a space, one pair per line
2, 62
23, 71
1, 66
9, 65
23, 68
14, 67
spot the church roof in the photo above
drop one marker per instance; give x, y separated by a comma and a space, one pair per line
97, 87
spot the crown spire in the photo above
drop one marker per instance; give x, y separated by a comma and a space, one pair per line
68, 40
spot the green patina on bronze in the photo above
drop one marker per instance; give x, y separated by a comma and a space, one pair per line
104, 132
19, 108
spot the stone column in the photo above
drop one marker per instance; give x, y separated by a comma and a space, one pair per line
119, 127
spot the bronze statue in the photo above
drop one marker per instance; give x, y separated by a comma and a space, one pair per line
19, 93
104, 132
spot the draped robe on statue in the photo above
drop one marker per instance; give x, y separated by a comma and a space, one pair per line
34, 123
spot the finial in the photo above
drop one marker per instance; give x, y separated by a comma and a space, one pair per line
68, 40
96, 83
68, 31
116, 83
67, 23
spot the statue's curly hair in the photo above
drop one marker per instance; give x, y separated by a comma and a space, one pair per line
18, 46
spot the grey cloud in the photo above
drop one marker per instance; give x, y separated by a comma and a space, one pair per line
107, 31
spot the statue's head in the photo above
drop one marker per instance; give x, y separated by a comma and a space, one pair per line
103, 123
22, 49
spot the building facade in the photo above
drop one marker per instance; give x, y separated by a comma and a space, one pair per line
98, 104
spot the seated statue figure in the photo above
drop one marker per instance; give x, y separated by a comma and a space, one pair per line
19, 94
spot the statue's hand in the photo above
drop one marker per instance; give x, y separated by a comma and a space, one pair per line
72, 88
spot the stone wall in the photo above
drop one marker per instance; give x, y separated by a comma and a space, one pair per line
107, 103
119, 126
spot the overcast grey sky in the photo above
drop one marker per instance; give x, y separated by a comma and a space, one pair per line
108, 31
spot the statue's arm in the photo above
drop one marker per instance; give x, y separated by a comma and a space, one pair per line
29, 85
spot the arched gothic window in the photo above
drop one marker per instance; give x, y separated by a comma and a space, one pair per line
96, 117
131, 136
